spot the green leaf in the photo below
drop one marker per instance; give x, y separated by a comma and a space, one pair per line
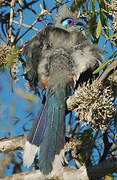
44, 5
93, 5
99, 28
109, 177
102, 66
12, 58
113, 36
16, 121
81, 2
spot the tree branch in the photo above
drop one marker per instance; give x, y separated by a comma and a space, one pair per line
108, 71
68, 173
11, 144
105, 77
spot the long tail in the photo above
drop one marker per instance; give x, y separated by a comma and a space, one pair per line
47, 132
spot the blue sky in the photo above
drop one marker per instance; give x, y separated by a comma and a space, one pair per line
14, 110
7, 97
9, 101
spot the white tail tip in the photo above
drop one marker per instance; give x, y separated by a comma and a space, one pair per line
29, 153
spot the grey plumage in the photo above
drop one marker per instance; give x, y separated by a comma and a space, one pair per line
71, 39
58, 52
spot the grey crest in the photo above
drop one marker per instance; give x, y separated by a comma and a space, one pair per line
62, 14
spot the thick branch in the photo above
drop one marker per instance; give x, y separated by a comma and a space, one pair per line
106, 167
68, 173
11, 144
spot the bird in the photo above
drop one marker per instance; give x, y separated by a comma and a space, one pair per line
56, 57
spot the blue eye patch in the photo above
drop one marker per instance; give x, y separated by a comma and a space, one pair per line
68, 22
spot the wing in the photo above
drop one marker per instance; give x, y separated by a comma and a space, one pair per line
87, 58
33, 51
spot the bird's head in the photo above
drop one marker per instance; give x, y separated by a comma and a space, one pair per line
66, 20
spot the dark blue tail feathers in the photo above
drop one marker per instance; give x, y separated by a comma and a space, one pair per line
48, 131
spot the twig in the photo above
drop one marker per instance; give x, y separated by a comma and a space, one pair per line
11, 21
108, 39
107, 146
108, 71
28, 29
59, 2
27, 26
20, 22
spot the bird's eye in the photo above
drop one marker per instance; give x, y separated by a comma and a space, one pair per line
68, 22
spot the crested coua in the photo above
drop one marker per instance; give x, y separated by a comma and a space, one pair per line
54, 57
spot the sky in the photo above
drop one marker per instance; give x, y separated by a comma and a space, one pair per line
14, 110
